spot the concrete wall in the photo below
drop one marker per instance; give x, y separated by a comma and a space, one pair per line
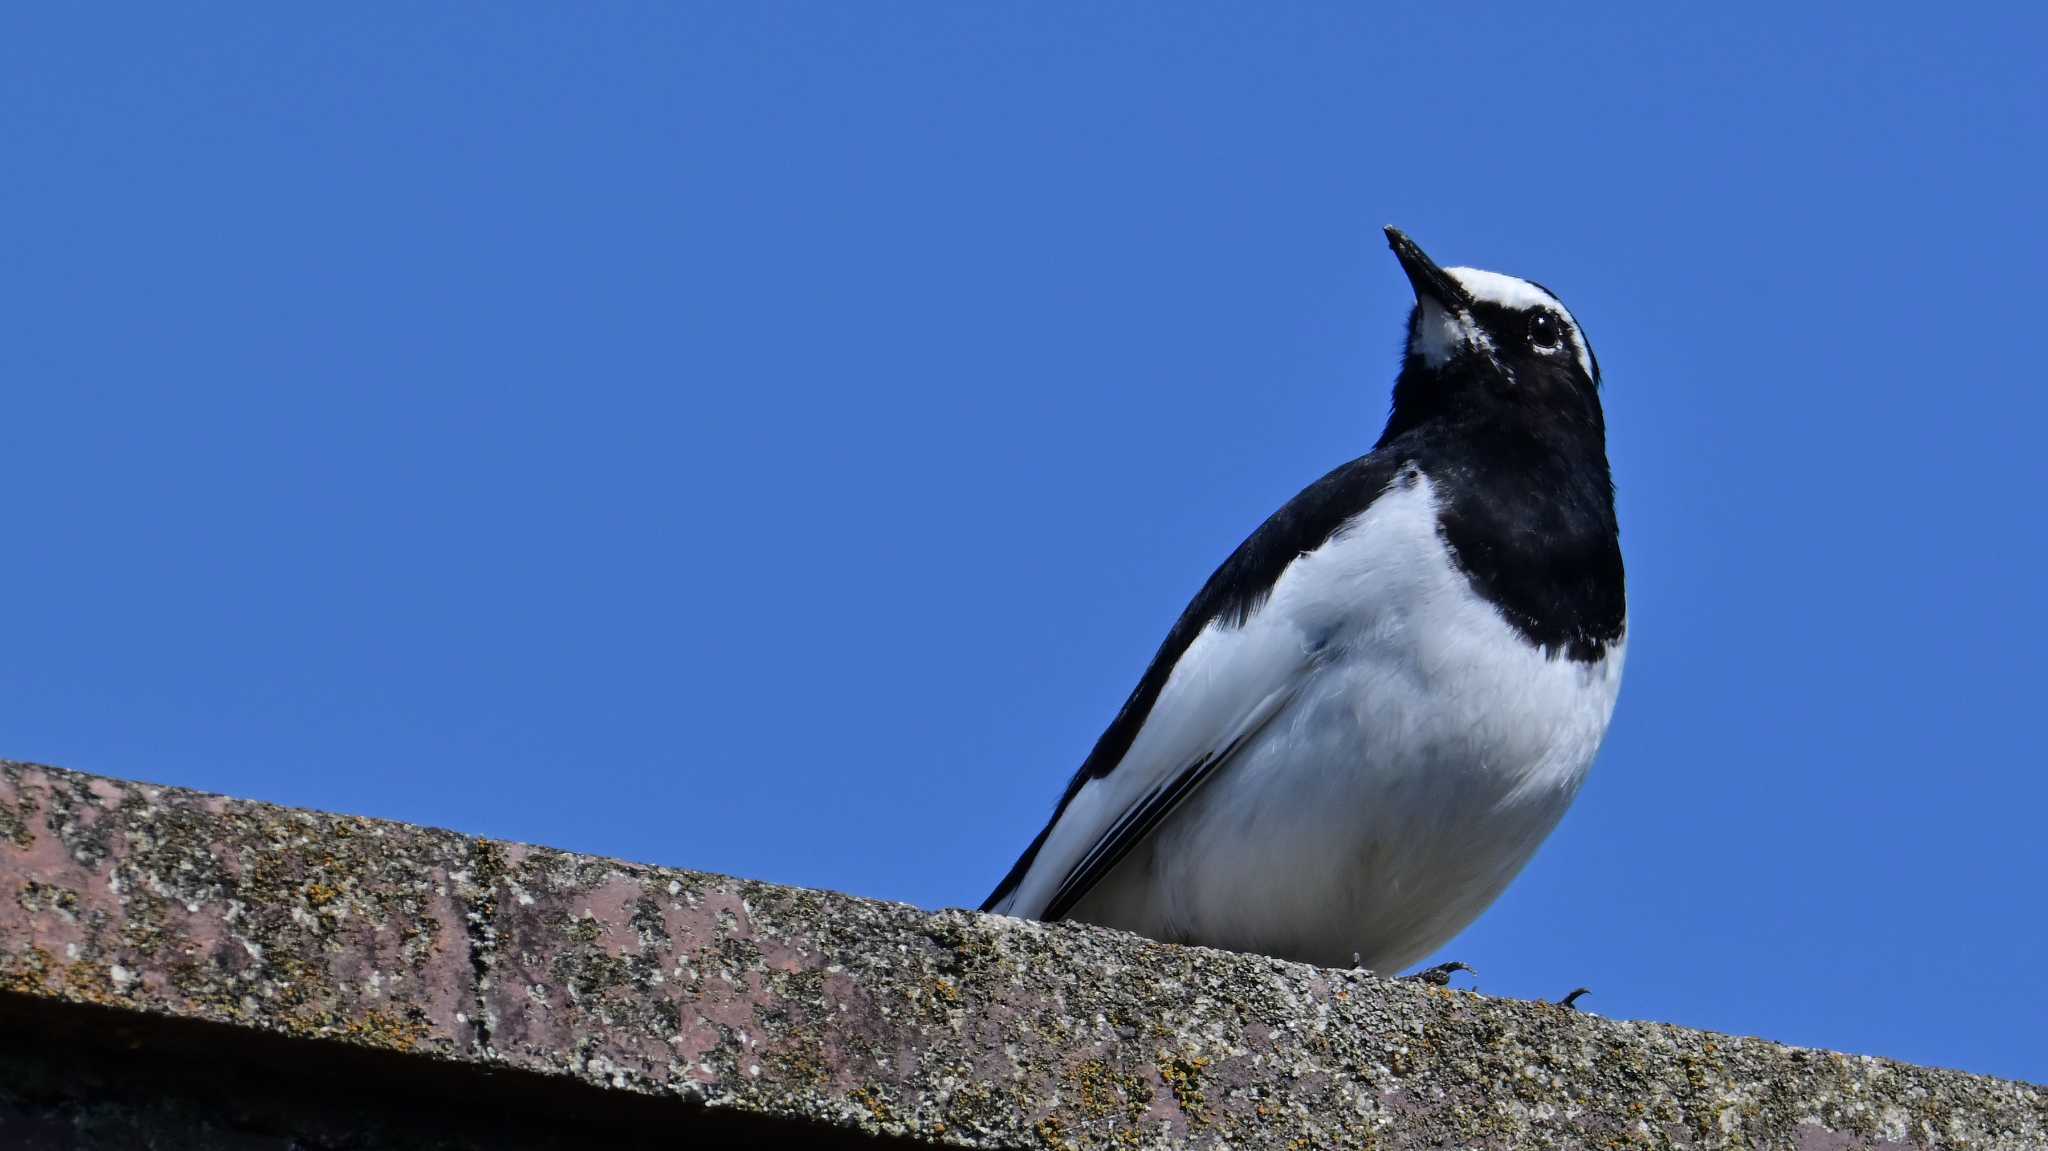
178, 969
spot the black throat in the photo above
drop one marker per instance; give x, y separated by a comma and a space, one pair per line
1525, 497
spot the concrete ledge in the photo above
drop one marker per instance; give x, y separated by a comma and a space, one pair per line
401, 986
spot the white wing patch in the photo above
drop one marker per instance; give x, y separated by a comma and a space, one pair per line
1228, 683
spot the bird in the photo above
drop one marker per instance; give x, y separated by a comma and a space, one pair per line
1378, 707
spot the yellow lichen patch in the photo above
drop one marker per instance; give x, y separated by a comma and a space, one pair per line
386, 1030
89, 983
1183, 1077
1053, 1135
49, 897
977, 1104
799, 1058
25, 975
872, 1099
1106, 1095
15, 821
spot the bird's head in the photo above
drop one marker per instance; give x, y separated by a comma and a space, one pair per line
1484, 342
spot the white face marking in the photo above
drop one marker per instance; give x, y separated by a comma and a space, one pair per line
1442, 334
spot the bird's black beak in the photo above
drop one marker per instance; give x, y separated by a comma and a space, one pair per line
1431, 282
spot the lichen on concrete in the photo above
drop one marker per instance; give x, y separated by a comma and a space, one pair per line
948, 1028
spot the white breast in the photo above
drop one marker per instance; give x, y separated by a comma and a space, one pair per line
1426, 753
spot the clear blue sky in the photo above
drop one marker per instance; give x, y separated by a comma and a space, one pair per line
772, 439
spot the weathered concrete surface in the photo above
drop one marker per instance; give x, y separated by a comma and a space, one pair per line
702, 1004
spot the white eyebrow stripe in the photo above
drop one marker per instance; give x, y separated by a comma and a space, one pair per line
1507, 291
1520, 295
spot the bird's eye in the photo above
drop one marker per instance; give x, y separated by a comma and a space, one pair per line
1545, 332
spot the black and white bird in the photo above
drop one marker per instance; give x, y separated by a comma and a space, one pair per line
1377, 708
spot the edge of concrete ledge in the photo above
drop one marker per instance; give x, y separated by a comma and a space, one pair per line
738, 1002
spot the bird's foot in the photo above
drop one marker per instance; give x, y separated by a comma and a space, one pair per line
1440, 975
1571, 1001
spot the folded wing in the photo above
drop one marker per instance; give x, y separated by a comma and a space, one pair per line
1225, 670
1227, 684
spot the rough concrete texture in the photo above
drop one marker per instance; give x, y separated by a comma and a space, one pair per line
736, 999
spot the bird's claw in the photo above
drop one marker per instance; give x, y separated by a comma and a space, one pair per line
1440, 975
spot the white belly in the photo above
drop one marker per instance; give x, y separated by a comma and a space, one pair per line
1396, 794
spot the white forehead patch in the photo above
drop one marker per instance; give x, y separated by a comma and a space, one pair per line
1509, 292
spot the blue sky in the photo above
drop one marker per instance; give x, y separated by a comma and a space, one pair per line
772, 438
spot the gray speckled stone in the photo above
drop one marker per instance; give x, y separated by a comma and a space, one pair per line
743, 999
